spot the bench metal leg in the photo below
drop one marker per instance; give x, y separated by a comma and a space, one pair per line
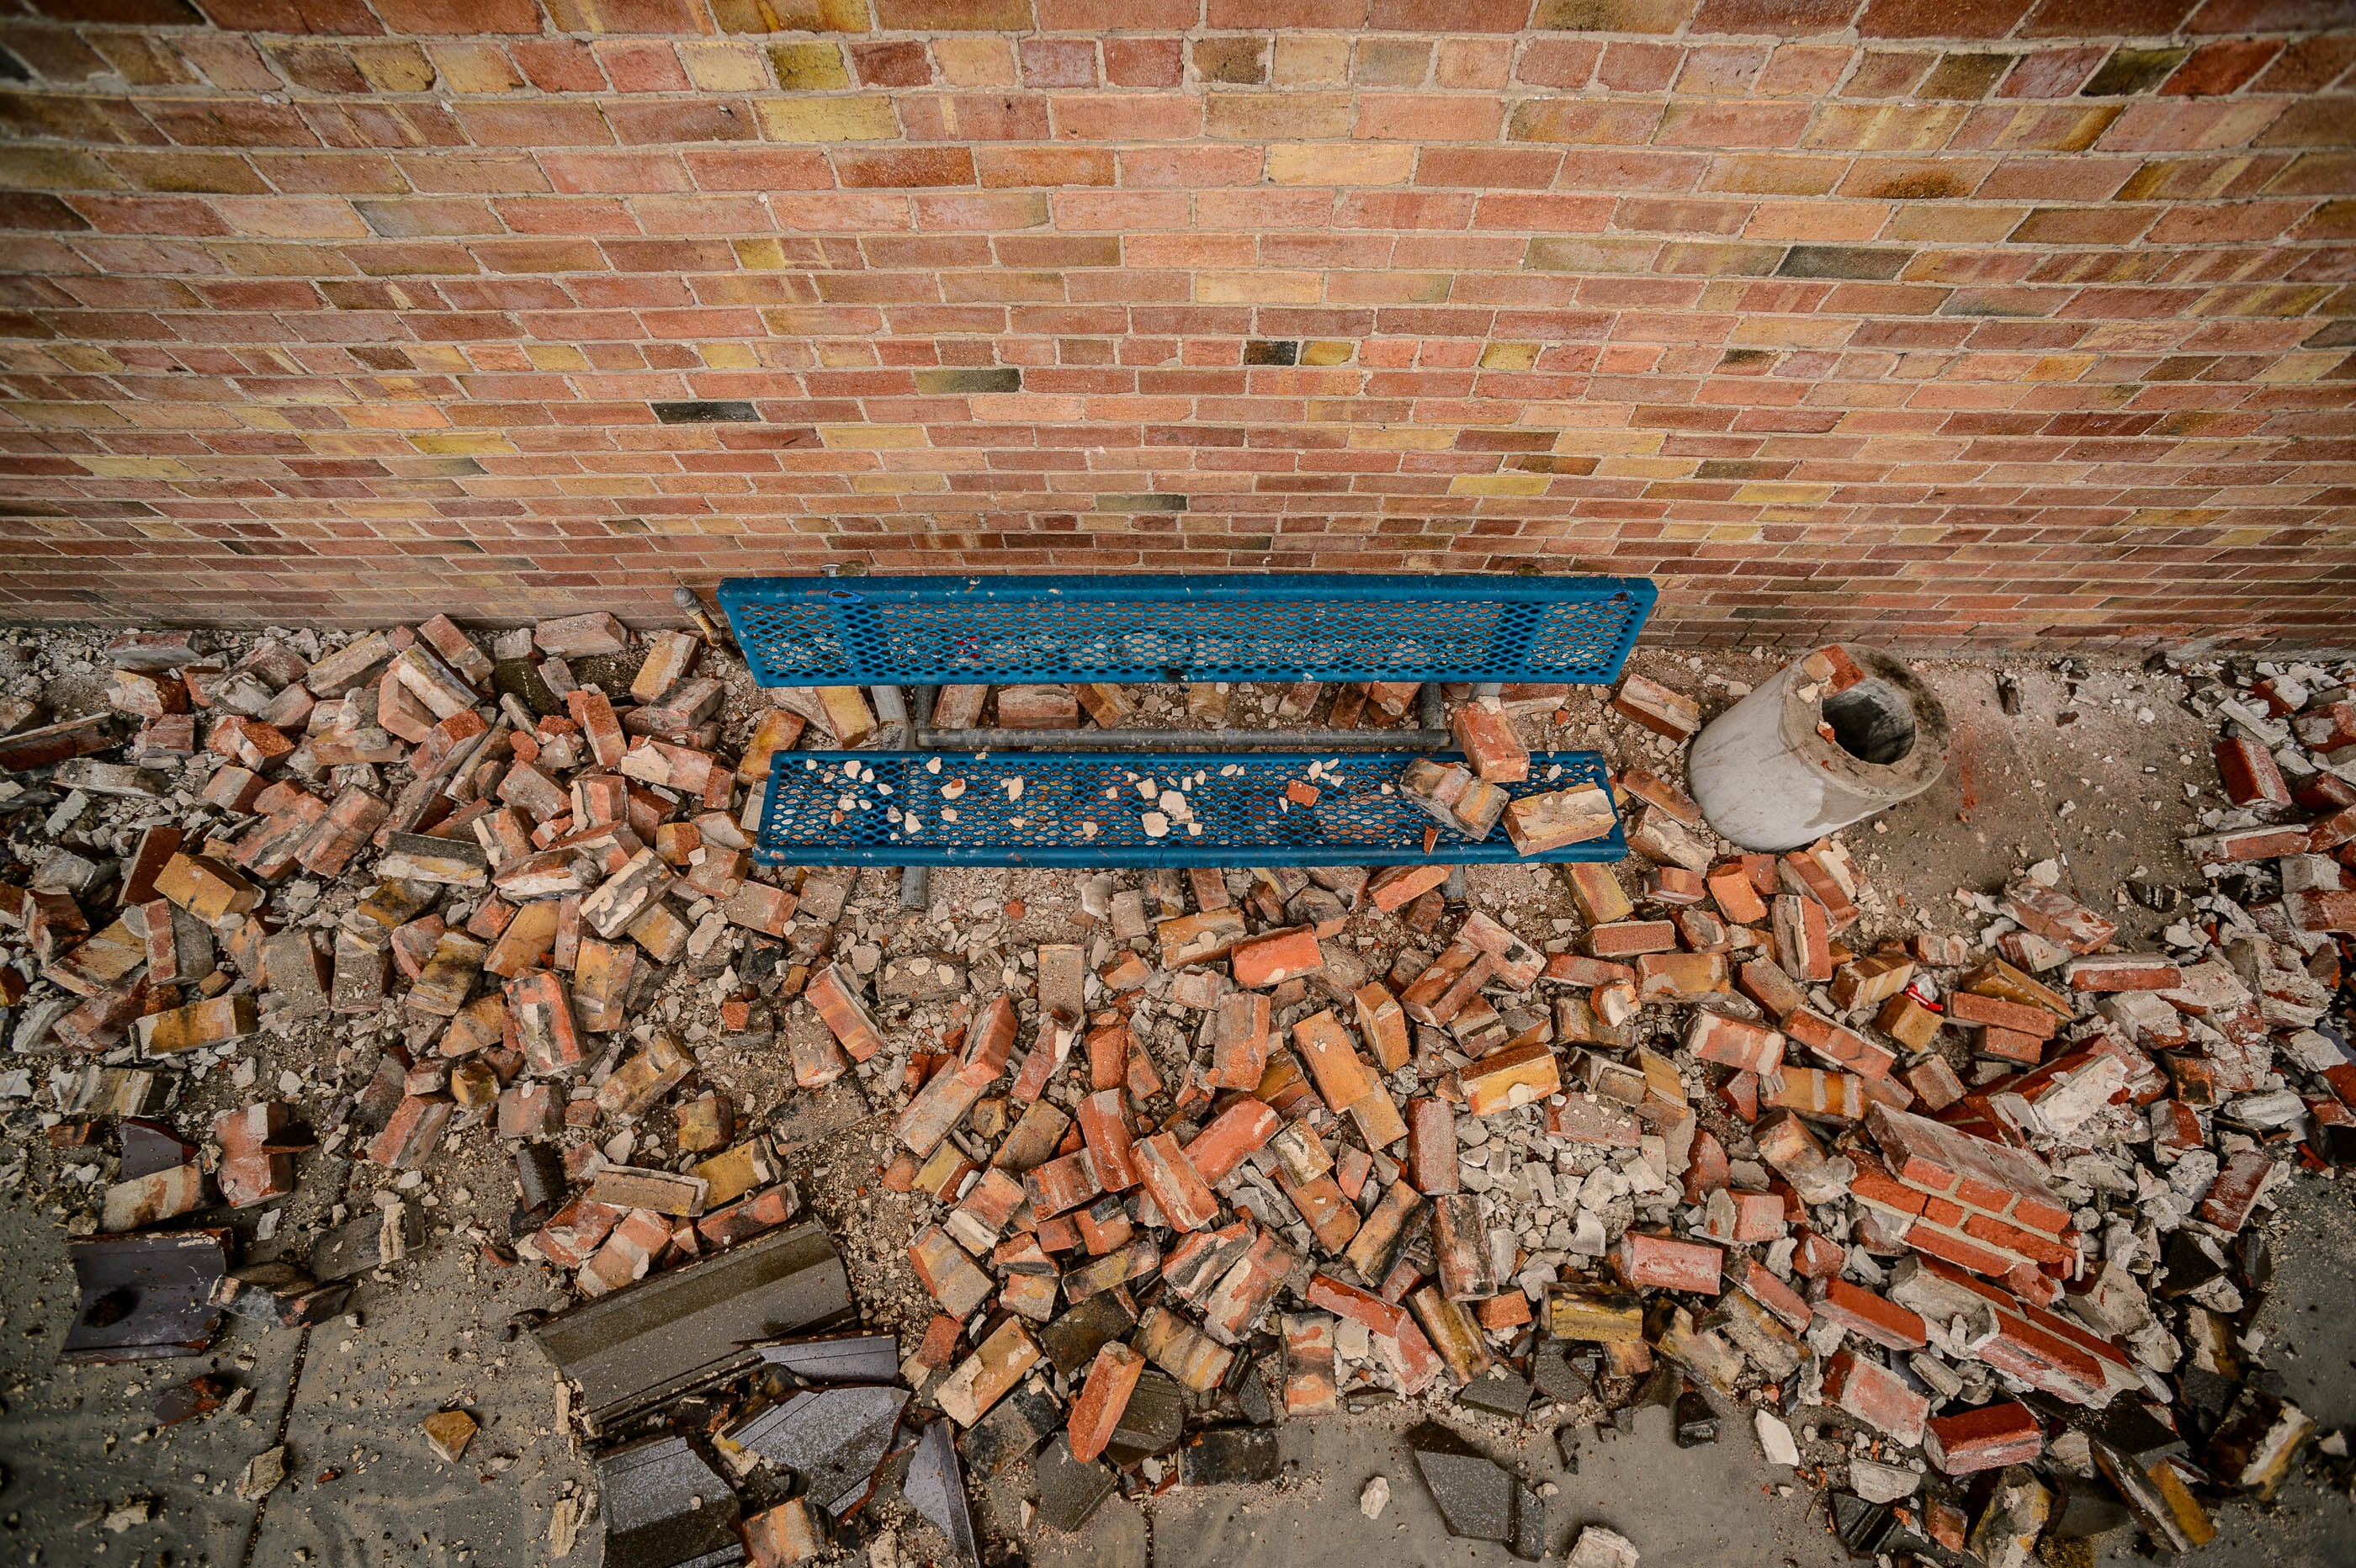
892, 714
1453, 889
1488, 689
1428, 712
916, 881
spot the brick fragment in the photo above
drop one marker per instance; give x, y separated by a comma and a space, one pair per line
1644, 1259
1097, 1413
572, 636
2056, 916
1867, 1316
1276, 957
1394, 887
2249, 774
1713, 1037
1597, 892
1877, 1396
1173, 1184
1489, 744
1240, 1040
1657, 708
1233, 1136
1989, 1437
1803, 940
1510, 1077
1540, 823
2122, 972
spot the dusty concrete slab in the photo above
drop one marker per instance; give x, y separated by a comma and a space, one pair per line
431, 1334
363, 1479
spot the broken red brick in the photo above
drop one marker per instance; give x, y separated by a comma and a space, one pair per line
1097, 1412
1173, 1184
1713, 1037
1868, 1316
1489, 744
1656, 707
1644, 1259
1277, 957
1987, 1438
1877, 1396
2249, 774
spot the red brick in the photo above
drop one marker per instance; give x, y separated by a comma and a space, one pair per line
1875, 1395
1171, 1182
1987, 1438
1232, 1136
1713, 1037
1276, 957
1644, 1259
1869, 1316
1097, 1413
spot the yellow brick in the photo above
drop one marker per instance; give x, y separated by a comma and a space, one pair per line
760, 255
1604, 442
896, 484
292, 217
1509, 356
863, 119
1644, 468
872, 437
1403, 437
728, 356
1262, 116
1258, 288
975, 62
54, 168
1332, 351
467, 442
137, 467
555, 356
1791, 332
2280, 299
1767, 492
97, 362
1333, 162
2300, 367
1306, 58
837, 356
789, 15
2060, 368
392, 67
2177, 516
474, 67
1497, 484
66, 416
808, 66
724, 67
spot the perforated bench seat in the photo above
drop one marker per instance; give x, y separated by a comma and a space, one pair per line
1079, 803
950, 630
1087, 810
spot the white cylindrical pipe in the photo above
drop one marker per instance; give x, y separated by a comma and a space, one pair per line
1828, 740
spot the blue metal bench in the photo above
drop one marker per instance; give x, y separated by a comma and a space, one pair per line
1086, 809
897, 633
947, 631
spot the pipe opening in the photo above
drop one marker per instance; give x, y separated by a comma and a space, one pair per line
1871, 721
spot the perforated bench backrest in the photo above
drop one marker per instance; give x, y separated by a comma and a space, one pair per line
942, 631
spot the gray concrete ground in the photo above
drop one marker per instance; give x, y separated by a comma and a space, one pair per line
2106, 790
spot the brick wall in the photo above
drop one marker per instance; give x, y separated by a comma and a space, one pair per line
1937, 320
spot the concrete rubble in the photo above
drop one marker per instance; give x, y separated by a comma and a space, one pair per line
1960, 1216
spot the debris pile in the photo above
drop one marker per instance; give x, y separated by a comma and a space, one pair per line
1965, 1228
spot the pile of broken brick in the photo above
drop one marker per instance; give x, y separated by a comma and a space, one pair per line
1274, 1144
1979, 1210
